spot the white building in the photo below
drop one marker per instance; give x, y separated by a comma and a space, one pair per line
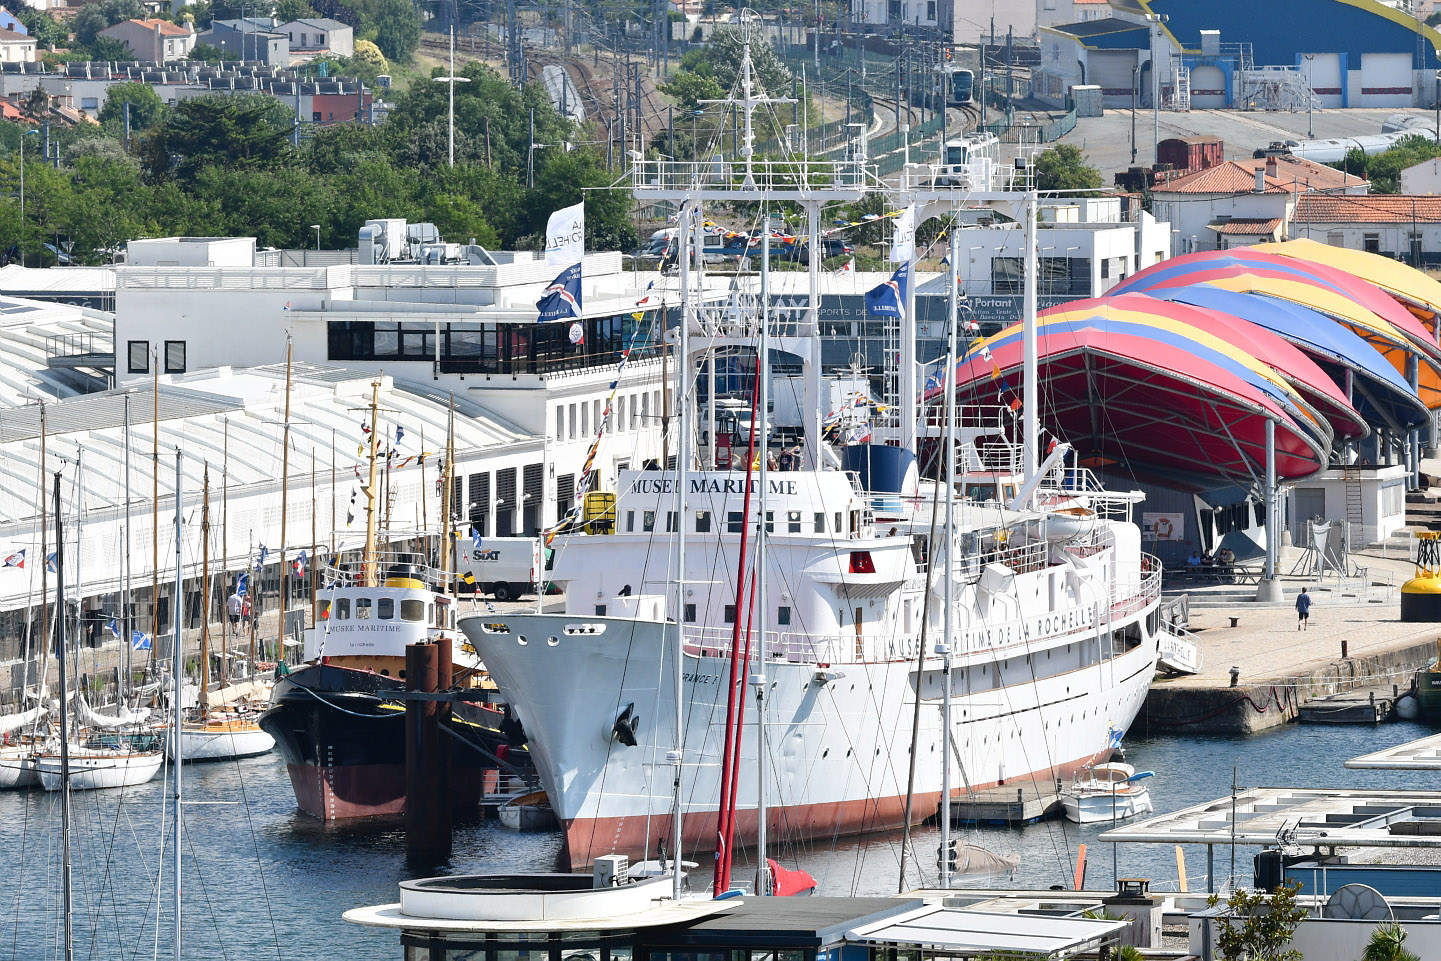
318, 36
466, 330
1407, 228
156, 40
16, 47
1422, 178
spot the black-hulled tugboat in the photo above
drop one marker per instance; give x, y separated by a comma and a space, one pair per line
338, 718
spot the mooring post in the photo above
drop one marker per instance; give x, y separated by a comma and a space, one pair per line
427, 759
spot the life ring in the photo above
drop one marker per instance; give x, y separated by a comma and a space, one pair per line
1163, 528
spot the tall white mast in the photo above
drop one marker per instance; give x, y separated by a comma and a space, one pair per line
948, 450
681, 464
177, 676
759, 678
125, 568
1030, 387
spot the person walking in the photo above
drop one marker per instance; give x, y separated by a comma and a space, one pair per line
1303, 610
233, 604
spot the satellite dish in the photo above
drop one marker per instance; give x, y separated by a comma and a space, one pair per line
1357, 902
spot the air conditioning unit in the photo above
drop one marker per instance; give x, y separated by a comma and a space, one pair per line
611, 870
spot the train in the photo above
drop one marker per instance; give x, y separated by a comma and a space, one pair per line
1334, 150
963, 88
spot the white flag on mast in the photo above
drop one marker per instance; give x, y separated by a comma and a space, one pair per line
903, 244
565, 236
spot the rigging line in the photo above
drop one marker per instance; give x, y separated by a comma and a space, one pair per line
255, 844
20, 874
200, 876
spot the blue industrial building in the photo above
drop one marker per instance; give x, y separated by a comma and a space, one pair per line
1260, 54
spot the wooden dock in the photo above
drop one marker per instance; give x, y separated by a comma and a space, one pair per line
1369, 705
1014, 803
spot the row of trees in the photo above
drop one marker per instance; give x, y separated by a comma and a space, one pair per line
224, 165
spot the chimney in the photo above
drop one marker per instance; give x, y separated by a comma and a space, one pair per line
1272, 168
1260, 180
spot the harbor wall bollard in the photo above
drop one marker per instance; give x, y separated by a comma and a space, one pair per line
427, 759
1344, 649
1235, 676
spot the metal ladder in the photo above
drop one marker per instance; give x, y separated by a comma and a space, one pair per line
1355, 519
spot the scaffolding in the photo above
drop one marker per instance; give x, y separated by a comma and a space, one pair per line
1177, 94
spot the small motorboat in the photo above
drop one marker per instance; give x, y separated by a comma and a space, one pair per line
1110, 791
529, 812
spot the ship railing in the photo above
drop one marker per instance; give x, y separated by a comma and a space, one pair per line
1135, 595
352, 574
723, 174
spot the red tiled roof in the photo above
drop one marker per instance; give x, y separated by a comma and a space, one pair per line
1368, 209
1226, 178
1303, 172
166, 27
1291, 175
1246, 226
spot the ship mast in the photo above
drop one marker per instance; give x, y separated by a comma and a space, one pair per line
762, 886
204, 600
66, 884
284, 579
948, 572
368, 572
675, 756
177, 677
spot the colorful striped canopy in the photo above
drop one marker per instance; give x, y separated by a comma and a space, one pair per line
1378, 392
1419, 292
1368, 311
1166, 388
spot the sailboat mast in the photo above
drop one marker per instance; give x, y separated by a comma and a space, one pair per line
762, 887
125, 623
447, 538
369, 562
948, 572
66, 884
1030, 389
154, 508
225, 553
205, 597
314, 566
177, 676
79, 551
682, 469
44, 553
284, 490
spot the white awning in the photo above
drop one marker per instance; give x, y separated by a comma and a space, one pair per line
937, 928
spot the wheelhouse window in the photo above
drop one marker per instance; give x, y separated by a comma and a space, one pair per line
362, 608
412, 610
385, 608
702, 522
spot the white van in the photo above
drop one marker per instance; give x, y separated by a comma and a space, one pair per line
504, 567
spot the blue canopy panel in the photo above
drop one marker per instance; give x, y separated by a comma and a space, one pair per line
1380, 393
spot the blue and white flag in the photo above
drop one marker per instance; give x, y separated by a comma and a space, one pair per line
399, 434
889, 299
565, 236
139, 641
475, 537
113, 628
242, 584
52, 562
263, 555
561, 299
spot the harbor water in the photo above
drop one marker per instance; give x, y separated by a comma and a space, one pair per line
265, 881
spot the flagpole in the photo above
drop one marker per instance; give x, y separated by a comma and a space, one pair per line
225, 551
154, 507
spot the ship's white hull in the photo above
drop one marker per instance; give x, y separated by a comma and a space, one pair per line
97, 770
219, 742
838, 734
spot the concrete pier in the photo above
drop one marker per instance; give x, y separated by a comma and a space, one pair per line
1280, 668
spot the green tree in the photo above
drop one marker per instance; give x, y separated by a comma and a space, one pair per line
245, 131
47, 31
1063, 168
97, 16
205, 53
397, 28
108, 48
288, 10
690, 89
145, 108
1258, 926
1388, 944
1383, 170
721, 59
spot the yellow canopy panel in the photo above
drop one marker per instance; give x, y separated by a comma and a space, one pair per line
1417, 290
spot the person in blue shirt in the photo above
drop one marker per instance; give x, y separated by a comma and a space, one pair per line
1303, 610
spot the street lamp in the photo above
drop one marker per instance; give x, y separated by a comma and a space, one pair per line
452, 80
1135, 84
21, 240
1310, 94
1156, 20
316, 228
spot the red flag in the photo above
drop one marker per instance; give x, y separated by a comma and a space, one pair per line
787, 883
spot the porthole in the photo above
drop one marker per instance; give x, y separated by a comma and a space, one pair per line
552, 641
520, 639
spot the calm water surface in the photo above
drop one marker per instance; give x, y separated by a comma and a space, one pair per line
264, 881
